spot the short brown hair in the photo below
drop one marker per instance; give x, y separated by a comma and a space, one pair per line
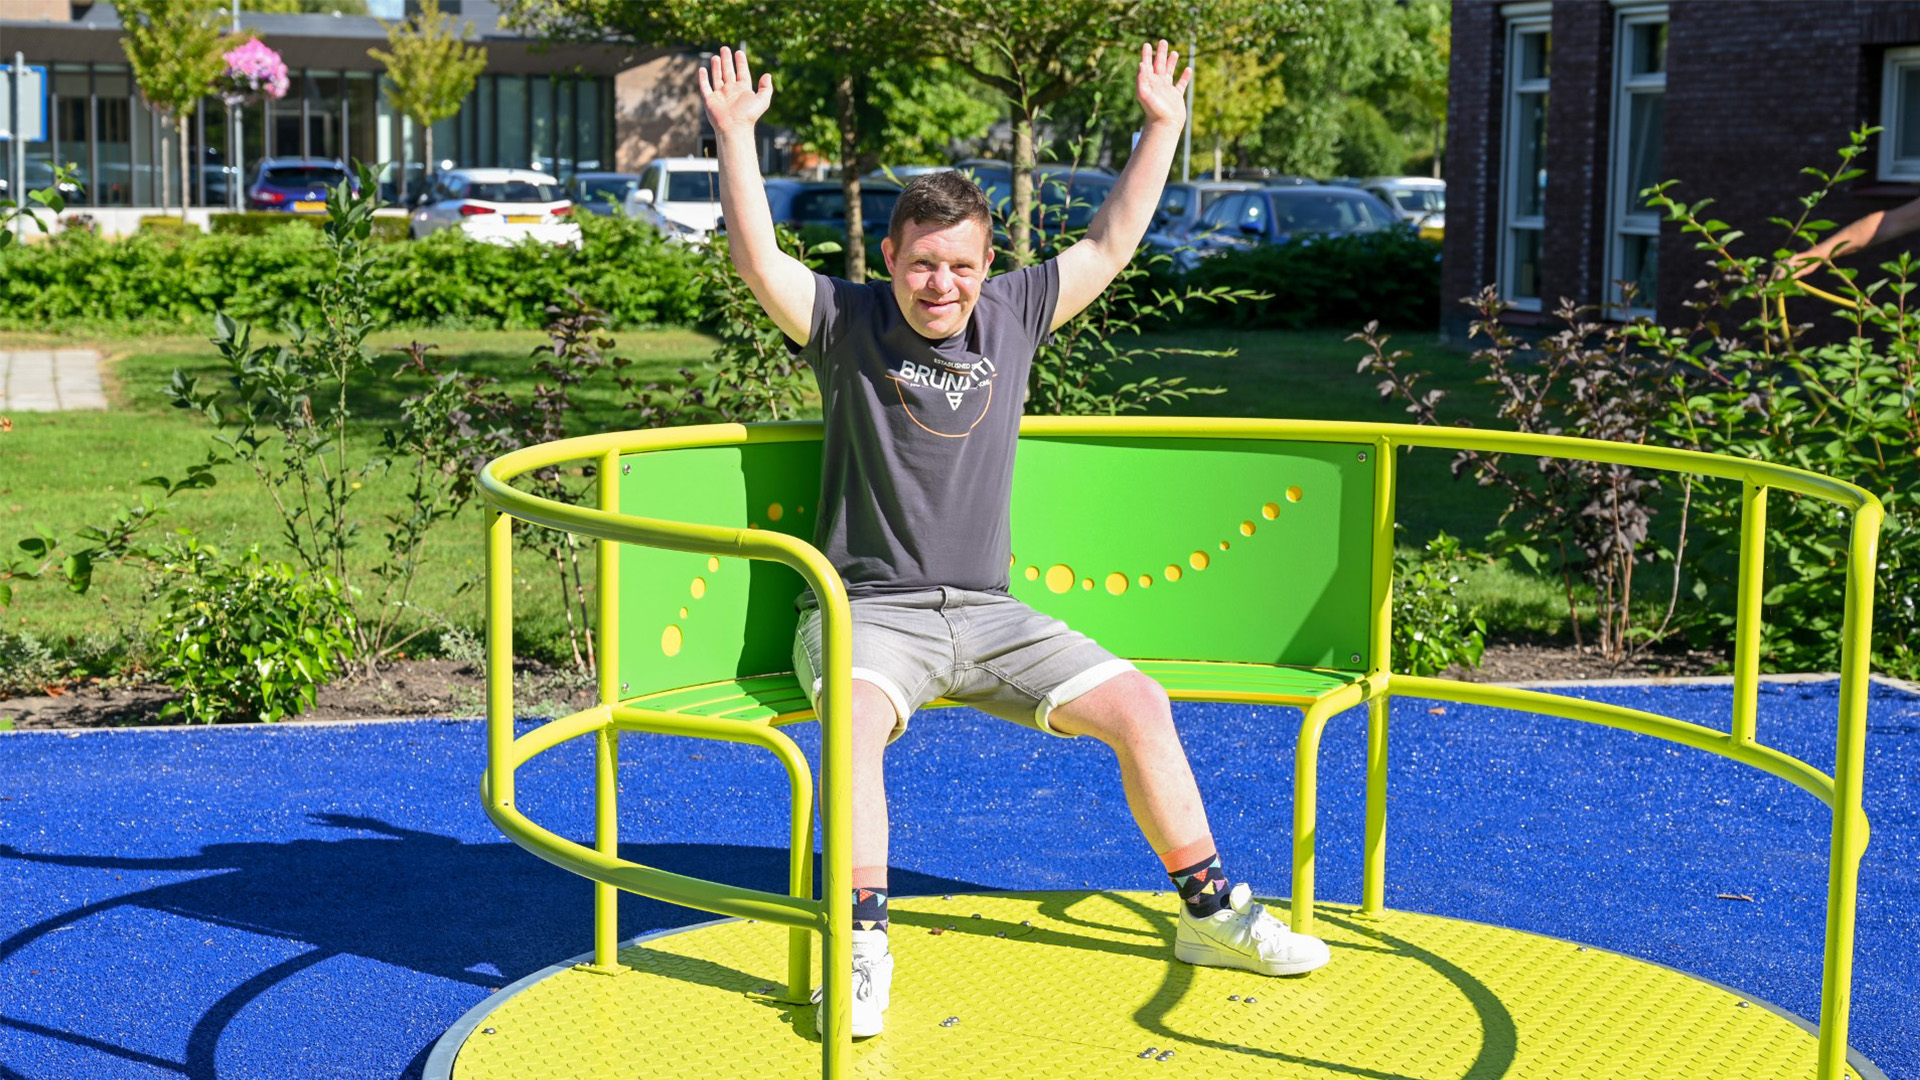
940, 199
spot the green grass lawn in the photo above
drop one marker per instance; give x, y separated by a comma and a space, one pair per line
66, 470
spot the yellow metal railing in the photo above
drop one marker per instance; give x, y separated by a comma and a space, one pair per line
805, 914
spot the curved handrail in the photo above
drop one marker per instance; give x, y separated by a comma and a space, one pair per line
494, 476
1842, 790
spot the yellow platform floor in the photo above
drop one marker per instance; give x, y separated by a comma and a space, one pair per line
1078, 984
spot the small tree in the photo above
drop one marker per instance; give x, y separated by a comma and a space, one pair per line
174, 48
430, 70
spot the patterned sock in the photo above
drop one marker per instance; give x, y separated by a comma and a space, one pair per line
870, 899
1195, 870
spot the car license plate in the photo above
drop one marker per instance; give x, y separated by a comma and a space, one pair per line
309, 207
523, 219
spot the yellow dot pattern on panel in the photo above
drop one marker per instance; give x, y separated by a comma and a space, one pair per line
1082, 984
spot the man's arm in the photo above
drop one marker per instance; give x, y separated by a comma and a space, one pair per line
782, 283
1088, 267
1875, 228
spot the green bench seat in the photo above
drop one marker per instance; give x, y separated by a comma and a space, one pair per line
778, 699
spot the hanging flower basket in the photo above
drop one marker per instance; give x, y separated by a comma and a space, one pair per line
253, 72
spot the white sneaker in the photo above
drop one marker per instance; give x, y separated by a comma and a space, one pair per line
872, 985
1242, 935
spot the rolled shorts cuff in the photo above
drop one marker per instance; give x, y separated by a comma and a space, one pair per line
888, 686
1073, 688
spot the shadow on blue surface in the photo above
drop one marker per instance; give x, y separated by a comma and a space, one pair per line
364, 897
324, 901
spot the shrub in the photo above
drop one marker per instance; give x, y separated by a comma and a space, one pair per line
167, 226
1433, 629
27, 664
1584, 521
1847, 405
182, 278
255, 222
245, 639
1392, 277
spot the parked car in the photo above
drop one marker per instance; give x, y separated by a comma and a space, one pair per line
683, 194
801, 203
1420, 201
599, 192
296, 185
498, 206
817, 210
1285, 215
1064, 196
904, 173
1182, 204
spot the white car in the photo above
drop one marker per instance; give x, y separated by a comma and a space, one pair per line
1420, 201
679, 194
498, 206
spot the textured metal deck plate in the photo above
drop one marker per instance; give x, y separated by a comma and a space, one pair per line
1084, 984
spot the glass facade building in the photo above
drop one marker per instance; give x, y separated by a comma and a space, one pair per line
125, 156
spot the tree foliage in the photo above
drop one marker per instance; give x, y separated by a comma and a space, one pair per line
174, 49
1328, 55
1033, 53
430, 71
1236, 87
836, 66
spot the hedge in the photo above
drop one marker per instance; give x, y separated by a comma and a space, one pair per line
150, 278
255, 222
1343, 281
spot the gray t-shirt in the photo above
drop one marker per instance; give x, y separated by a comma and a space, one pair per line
916, 474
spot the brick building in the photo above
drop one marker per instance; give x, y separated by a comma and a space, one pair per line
558, 108
1561, 111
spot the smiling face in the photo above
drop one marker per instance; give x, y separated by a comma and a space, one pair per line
937, 271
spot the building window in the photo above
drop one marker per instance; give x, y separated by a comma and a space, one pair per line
1523, 199
1639, 133
1900, 115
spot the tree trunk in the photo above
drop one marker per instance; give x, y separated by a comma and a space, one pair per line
163, 174
1020, 218
844, 100
400, 184
186, 187
1216, 158
426, 166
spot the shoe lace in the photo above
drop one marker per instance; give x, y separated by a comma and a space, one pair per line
863, 980
1262, 927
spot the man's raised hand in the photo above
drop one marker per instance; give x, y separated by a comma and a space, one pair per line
1163, 99
726, 85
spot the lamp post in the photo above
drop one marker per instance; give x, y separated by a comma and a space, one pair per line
234, 178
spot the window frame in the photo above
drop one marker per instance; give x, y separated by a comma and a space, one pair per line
1511, 221
1626, 217
1893, 65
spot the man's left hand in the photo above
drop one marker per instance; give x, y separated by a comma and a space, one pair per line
1163, 99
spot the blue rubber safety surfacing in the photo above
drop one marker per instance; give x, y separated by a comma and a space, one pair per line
323, 901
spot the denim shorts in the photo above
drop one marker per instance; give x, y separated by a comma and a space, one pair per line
987, 650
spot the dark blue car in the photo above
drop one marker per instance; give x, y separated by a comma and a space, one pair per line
1284, 215
296, 185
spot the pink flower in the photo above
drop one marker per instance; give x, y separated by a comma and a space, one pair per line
253, 71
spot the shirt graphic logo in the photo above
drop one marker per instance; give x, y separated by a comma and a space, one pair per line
924, 388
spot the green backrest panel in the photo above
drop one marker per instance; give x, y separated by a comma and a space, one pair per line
1092, 520
1200, 549
739, 615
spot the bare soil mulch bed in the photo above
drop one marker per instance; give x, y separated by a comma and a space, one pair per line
453, 688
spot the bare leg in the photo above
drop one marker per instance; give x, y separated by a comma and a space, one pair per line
873, 724
1130, 714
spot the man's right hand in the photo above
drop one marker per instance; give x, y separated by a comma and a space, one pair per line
726, 85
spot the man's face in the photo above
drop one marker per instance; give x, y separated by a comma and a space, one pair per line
937, 271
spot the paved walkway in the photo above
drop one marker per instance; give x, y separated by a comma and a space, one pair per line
50, 380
